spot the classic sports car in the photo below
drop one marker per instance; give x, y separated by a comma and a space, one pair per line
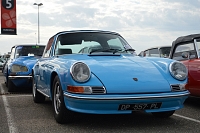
187, 50
159, 51
17, 71
91, 71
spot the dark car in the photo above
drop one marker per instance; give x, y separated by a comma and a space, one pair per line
187, 50
17, 71
158, 51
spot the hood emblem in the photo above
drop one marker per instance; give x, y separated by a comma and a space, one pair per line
135, 79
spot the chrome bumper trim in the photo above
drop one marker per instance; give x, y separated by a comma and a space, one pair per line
125, 97
18, 77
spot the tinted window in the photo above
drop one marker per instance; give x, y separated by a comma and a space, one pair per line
34, 50
189, 48
164, 52
154, 52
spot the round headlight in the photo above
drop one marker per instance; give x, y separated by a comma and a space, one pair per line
19, 68
80, 72
178, 70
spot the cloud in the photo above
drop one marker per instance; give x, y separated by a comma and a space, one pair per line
143, 24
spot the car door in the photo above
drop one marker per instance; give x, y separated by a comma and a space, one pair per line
194, 70
42, 65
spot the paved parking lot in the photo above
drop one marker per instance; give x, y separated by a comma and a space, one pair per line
19, 114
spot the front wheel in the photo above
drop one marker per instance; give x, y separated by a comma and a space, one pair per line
165, 114
37, 97
61, 113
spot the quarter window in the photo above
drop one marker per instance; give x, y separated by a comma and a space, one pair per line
154, 52
47, 50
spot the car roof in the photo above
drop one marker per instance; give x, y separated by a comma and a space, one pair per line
186, 38
28, 45
182, 39
92, 31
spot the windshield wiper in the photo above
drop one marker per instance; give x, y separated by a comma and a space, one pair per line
112, 50
124, 50
106, 50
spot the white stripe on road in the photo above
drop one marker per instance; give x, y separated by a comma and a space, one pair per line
17, 95
11, 123
13, 128
187, 118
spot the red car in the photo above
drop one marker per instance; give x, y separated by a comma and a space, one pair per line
187, 50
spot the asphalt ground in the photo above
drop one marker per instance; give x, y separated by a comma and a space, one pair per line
19, 114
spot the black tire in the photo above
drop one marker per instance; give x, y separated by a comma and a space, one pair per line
6, 82
37, 96
165, 114
61, 113
11, 86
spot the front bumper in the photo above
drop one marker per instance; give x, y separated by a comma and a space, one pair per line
20, 77
109, 104
21, 80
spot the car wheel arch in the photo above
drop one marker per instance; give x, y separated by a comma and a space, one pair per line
53, 75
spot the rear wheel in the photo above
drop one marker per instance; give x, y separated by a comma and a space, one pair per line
11, 86
165, 114
61, 113
37, 97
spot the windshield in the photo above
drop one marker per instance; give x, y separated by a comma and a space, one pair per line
164, 52
34, 50
91, 43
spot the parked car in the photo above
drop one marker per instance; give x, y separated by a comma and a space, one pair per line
94, 72
158, 51
2, 62
6, 58
17, 71
187, 50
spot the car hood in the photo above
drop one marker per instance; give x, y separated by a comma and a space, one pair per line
28, 61
125, 74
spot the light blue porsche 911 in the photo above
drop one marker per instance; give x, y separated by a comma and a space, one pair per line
92, 71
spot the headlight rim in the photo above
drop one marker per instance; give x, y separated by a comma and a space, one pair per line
71, 72
171, 72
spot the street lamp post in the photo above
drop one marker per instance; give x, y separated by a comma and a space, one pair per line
40, 4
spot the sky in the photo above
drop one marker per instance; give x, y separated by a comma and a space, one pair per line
143, 23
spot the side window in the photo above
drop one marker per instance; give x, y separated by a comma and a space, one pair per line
154, 52
12, 55
48, 48
189, 48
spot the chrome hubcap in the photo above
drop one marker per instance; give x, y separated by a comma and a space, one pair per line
57, 98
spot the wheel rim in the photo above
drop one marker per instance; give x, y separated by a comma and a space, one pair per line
57, 98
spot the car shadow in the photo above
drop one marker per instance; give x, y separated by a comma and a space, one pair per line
193, 102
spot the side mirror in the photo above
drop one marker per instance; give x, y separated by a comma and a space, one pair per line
185, 55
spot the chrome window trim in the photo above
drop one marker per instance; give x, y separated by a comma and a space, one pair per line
196, 48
